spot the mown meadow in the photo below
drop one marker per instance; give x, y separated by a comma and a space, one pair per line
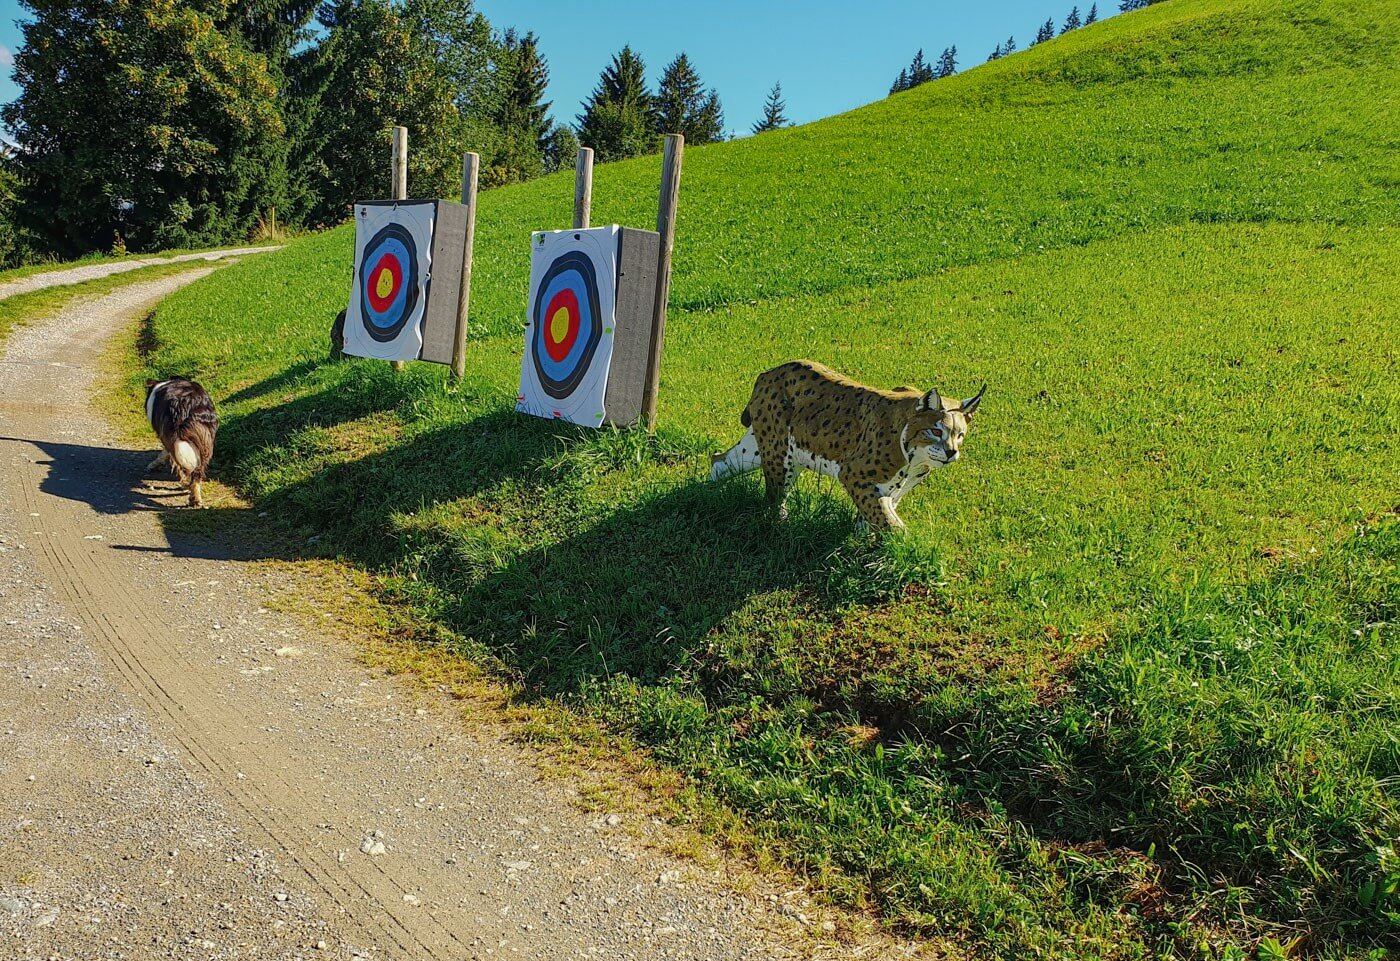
1130, 684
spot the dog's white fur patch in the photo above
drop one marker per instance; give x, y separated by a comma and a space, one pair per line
151, 401
185, 455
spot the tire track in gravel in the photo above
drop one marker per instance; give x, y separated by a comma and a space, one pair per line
298, 750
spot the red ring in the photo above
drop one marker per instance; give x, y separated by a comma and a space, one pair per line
566, 300
390, 263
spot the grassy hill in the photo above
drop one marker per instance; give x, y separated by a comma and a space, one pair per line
1130, 685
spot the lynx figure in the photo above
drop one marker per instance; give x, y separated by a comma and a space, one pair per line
880, 444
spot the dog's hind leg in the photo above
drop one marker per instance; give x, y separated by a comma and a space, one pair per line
161, 460
196, 497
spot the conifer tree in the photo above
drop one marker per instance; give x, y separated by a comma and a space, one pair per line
948, 62
519, 113
995, 55
1009, 47
920, 71
684, 107
1046, 32
774, 112
1072, 22
1093, 15
618, 119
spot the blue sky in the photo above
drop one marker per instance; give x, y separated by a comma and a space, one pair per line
829, 56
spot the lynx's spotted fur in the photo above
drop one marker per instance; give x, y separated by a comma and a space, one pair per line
879, 444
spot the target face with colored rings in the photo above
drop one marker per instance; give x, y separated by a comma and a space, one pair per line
566, 324
388, 282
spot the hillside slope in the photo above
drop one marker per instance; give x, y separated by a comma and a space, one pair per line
1131, 682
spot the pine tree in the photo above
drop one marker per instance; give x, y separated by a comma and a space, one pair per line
684, 107
1072, 22
920, 72
1046, 32
1127, 5
1008, 48
618, 119
774, 111
1093, 15
901, 83
948, 62
146, 117
273, 28
519, 113
995, 55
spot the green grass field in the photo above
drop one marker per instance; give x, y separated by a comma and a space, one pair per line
1130, 684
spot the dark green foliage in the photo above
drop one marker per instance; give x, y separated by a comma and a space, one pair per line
774, 111
947, 62
1072, 22
918, 72
273, 28
1009, 47
383, 64
995, 54
519, 114
683, 105
13, 251
1093, 15
619, 117
560, 149
151, 120
1046, 32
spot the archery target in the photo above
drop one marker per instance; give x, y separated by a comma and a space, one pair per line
393, 250
569, 332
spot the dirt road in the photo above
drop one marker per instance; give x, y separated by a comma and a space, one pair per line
76, 275
187, 774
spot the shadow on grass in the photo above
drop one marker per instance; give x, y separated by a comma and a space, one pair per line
279, 381
556, 584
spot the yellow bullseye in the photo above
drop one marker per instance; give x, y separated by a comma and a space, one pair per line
384, 283
559, 325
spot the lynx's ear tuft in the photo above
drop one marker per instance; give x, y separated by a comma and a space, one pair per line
931, 401
969, 406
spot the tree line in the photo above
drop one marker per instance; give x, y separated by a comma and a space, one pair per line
147, 124
920, 71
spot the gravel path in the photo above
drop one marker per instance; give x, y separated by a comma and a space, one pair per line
76, 275
187, 774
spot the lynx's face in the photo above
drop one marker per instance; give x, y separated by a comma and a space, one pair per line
936, 432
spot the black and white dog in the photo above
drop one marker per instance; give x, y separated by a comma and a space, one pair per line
183, 416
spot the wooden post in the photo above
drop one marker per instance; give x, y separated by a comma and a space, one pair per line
398, 173
583, 187
398, 179
666, 227
470, 165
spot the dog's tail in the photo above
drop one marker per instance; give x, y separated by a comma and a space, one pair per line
186, 456
195, 449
